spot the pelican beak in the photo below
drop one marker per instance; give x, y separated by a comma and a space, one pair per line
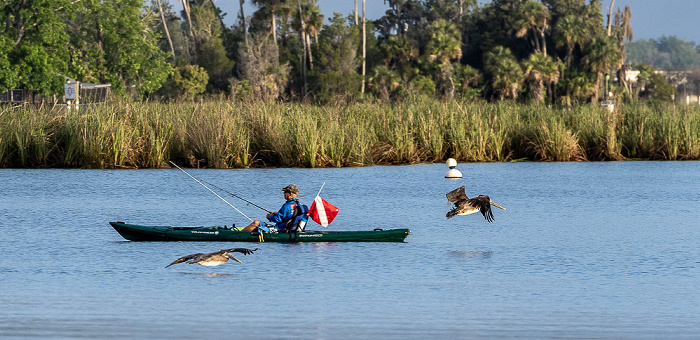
233, 258
496, 205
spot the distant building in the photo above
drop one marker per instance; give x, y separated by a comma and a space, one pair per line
688, 91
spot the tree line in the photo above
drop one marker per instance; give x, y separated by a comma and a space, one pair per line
667, 53
547, 51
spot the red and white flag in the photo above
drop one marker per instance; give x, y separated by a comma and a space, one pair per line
322, 212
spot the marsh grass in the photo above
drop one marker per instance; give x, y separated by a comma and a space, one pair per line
25, 138
225, 134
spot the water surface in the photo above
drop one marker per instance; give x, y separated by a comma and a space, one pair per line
585, 250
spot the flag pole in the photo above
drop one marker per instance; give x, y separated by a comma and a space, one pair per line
319, 190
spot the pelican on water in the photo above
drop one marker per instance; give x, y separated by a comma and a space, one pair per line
213, 259
465, 205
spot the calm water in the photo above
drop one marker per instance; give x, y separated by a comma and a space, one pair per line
585, 250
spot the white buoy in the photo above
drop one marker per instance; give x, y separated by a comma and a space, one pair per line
453, 173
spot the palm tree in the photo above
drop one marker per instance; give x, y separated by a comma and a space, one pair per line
445, 41
602, 54
314, 23
271, 7
357, 20
506, 74
398, 50
309, 24
612, 4
580, 85
444, 46
242, 14
540, 71
623, 31
384, 81
534, 17
570, 31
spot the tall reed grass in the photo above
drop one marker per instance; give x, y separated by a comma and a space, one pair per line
226, 134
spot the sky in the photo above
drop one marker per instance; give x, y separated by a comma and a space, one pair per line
651, 19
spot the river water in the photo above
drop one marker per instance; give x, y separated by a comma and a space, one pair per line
585, 250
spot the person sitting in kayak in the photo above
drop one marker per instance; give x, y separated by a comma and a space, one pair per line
287, 212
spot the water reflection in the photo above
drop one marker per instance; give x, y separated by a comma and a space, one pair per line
471, 254
206, 274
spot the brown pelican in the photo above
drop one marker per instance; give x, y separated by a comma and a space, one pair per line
465, 205
213, 259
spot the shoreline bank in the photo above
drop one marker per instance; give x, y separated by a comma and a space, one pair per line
222, 134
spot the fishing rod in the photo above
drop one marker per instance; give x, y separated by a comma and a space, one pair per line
212, 191
236, 196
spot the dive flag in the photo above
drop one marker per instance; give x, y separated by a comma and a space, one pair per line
322, 212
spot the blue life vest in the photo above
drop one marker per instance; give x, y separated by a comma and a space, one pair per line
291, 217
298, 221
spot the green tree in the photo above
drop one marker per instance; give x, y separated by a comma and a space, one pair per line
667, 53
570, 31
541, 72
270, 9
308, 21
384, 82
111, 43
8, 71
398, 51
466, 77
33, 44
534, 18
652, 85
188, 81
336, 72
506, 74
602, 55
445, 45
212, 56
182, 43
579, 87
402, 18
444, 42
450, 10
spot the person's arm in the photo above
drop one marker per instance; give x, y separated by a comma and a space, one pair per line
284, 213
279, 216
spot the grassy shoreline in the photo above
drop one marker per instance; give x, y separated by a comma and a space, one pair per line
225, 134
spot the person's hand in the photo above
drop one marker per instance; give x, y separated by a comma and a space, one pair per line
271, 214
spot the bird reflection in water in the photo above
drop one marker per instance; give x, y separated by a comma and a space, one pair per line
471, 254
207, 274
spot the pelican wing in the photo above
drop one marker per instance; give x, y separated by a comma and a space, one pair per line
483, 203
244, 251
457, 195
184, 258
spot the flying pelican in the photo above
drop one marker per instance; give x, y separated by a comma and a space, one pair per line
213, 259
465, 205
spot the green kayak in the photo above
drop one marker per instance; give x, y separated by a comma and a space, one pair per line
135, 232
